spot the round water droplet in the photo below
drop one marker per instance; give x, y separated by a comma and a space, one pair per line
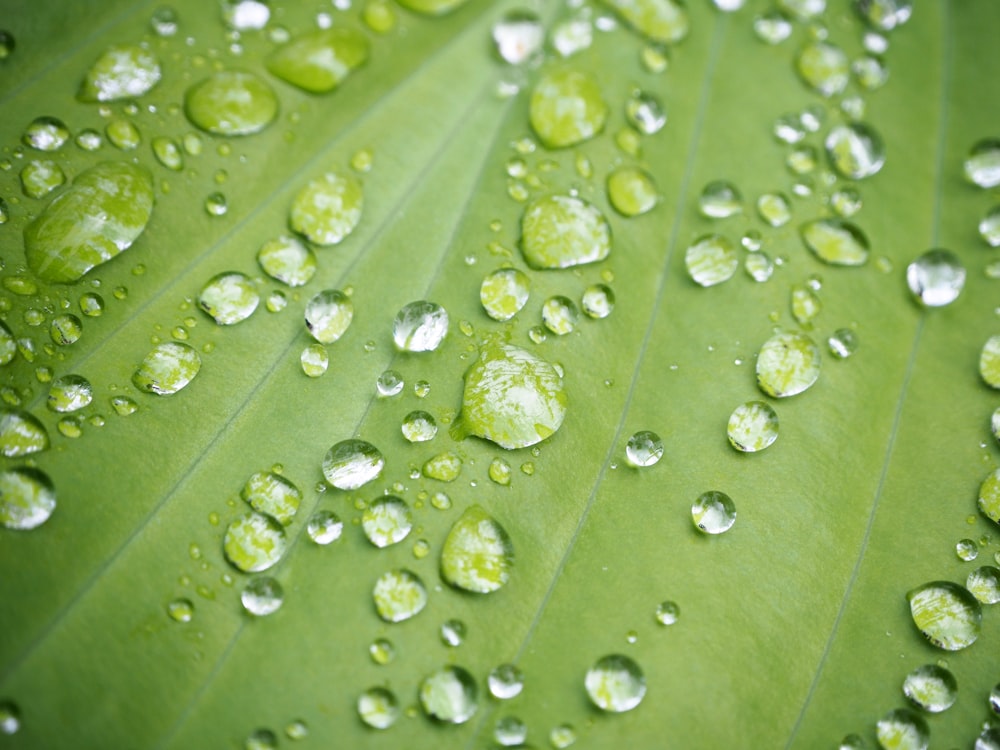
419, 426
124, 406
561, 231
69, 393
254, 542
27, 498
164, 21
314, 360
518, 36
989, 362
560, 315
453, 633
930, 687
774, 208
667, 613
644, 448
504, 292
787, 364
661, 21
231, 103
615, 683
229, 298
378, 708
287, 260
902, 729
510, 731
449, 695
836, 242
966, 550
441, 501
598, 301
389, 383
387, 520
871, 72
420, 327
845, 202
946, 613
644, 112
885, 15
759, 267
505, 681
41, 177
477, 554
632, 191
856, 151
936, 278
125, 71
753, 426
319, 61
167, 369
711, 260
989, 227
351, 464
296, 730
21, 434
7, 46
988, 739
824, 67
399, 595
216, 204
567, 108
720, 199
180, 610
994, 699
382, 651
327, 209
984, 584
273, 495
324, 527
45, 134
328, 315
714, 512
982, 165
853, 742
842, 343
772, 27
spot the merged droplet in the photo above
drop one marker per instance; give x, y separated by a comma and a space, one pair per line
856, 151
328, 315
788, 363
753, 426
663, 21
477, 554
946, 613
504, 292
561, 231
273, 495
378, 708
231, 103
27, 498
824, 67
399, 595
720, 199
124, 71
387, 520
254, 542
714, 512
505, 681
567, 108
836, 242
936, 278
632, 191
263, 596
21, 434
931, 687
711, 260
518, 36
167, 368
229, 297
982, 165
644, 448
287, 260
615, 683
318, 62
351, 464
420, 326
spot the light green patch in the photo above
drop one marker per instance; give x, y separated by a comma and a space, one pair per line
327, 209
98, 217
445, 467
399, 595
21, 434
231, 103
946, 613
561, 231
567, 108
989, 496
477, 554
320, 61
272, 495
663, 21
167, 368
989, 362
254, 542
836, 242
788, 363
123, 71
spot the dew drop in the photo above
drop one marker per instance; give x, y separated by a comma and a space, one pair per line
772, 27
45, 134
167, 368
320, 61
378, 708
245, 15
10, 714
560, 315
931, 688
982, 165
272, 495
842, 343
759, 267
644, 448
711, 260
615, 683
936, 278
720, 200
753, 426
180, 610
287, 260
314, 360
806, 305
27, 498
399, 595
296, 730
856, 151
387, 520
789, 129
504, 292
7, 46
453, 633
261, 739
477, 554
989, 227
966, 550
510, 731
229, 298
168, 152
885, 15
351, 464
41, 177
69, 393
598, 301
388, 384
984, 584
518, 36
713, 512
123, 134
661, 21
836, 242
946, 613
562, 736
328, 315
382, 651
254, 542
505, 681
561, 231
420, 326
449, 695
644, 112
824, 67
124, 406
632, 191
21, 434
262, 596
989, 490
667, 612
163, 21
989, 363
567, 108
231, 103
787, 364
902, 729
324, 527
871, 72
774, 208
121, 72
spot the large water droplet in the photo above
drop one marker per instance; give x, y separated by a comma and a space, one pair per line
21, 434
936, 278
320, 61
855, 150
262, 596
477, 554
663, 21
505, 681
902, 729
560, 231
930, 687
824, 67
254, 542
327, 209
449, 695
615, 683
567, 108
518, 36
787, 364
720, 200
378, 708
69, 393
984, 584
885, 15
444, 467
644, 448
273, 495
714, 512
229, 298
387, 520
124, 71
836, 242
167, 368
753, 426
399, 595
946, 613
512, 397
632, 191
231, 103
45, 134
287, 260
351, 464
328, 315
98, 217
27, 498
711, 260
420, 327
504, 292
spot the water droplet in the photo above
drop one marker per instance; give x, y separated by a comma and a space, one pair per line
714, 512
824, 67
772, 27
27, 498
936, 278
615, 683
378, 708
21, 434
100, 216
711, 260
989, 227
836, 242
296, 730
989, 490
318, 62
164, 21
989, 362
982, 165
984, 584
856, 151
419, 426
324, 527
421, 389
254, 542
661, 21
389, 383
774, 208
946, 613
41, 177
420, 327
598, 301
504, 292
124, 71
567, 108
806, 304
123, 134
287, 260
168, 152
930, 687
510, 731
231, 103
7, 46
518, 36
45, 134
988, 739
444, 467
273, 495
181, 610
560, 315
720, 200
667, 612
382, 651
759, 267
871, 72
632, 191
261, 739
644, 448
245, 15
449, 695
644, 112
753, 426
387, 520
10, 714
787, 364
505, 681
512, 397
802, 160
69, 393
561, 231
902, 729
788, 128
262, 596
167, 368
441, 501
314, 360
885, 15
453, 633
842, 343
966, 550
399, 595
477, 554
328, 315
229, 298
562, 736
351, 464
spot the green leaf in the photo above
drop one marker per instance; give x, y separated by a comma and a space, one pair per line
793, 628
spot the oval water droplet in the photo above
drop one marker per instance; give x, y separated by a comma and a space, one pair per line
567, 108
444, 467
644, 448
477, 554
505, 681
504, 292
936, 278
560, 315
229, 298
45, 134
713, 512
318, 62
314, 360
510, 731
180, 610
399, 595
263, 596
324, 527
518, 36
598, 301
378, 708
123, 134
561, 231
836, 242
167, 369
351, 464
720, 199
989, 227
788, 363
902, 729
21, 434
420, 327
984, 584
272, 495
27, 498
753, 426
125, 71
69, 393
632, 191
512, 397
231, 103
930, 687
989, 362
419, 426
775, 209
254, 542
711, 260
387, 520
946, 613
449, 695
856, 151
328, 315
287, 260
663, 21
615, 683
982, 165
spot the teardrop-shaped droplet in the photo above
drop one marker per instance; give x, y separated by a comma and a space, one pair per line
272, 495
327, 209
318, 62
450, 695
902, 729
229, 298
351, 464
936, 278
824, 67
561, 231
387, 520
567, 108
946, 613
753, 426
231, 103
399, 595
788, 363
328, 315
836, 242
124, 71
856, 151
663, 21
420, 327
504, 292
477, 554
287, 260
27, 498
711, 260
21, 434
167, 368
254, 542
931, 687
615, 683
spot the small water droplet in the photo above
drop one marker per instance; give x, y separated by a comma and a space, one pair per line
655, 58
902, 729
510, 731
167, 368
421, 389
772, 27
163, 21
319, 61
504, 292
441, 501
720, 199
273, 495
946, 613
261, 739
856, 151
420, 326
500, 472
505, 681
870, 71
324, 527
453, 633
824, 67
560, 315
753, 426
328, 315
181, 610
711, 260
262, 596
643, 449
615, 683
69, 393
967, 550
21, 434
45, 134
714, 512
399, 595
41, 177
328, 209
314, 360
518, 36
936, 278
598, 301
351, 464
378, 708
567, 108
124, 71
631, 191
885, 15
449, 695
842, 343
667, 612
389, 383
296, 730
229, 298
645, 113
10, 714
806, 305
561, 231
982, 165
382, 651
